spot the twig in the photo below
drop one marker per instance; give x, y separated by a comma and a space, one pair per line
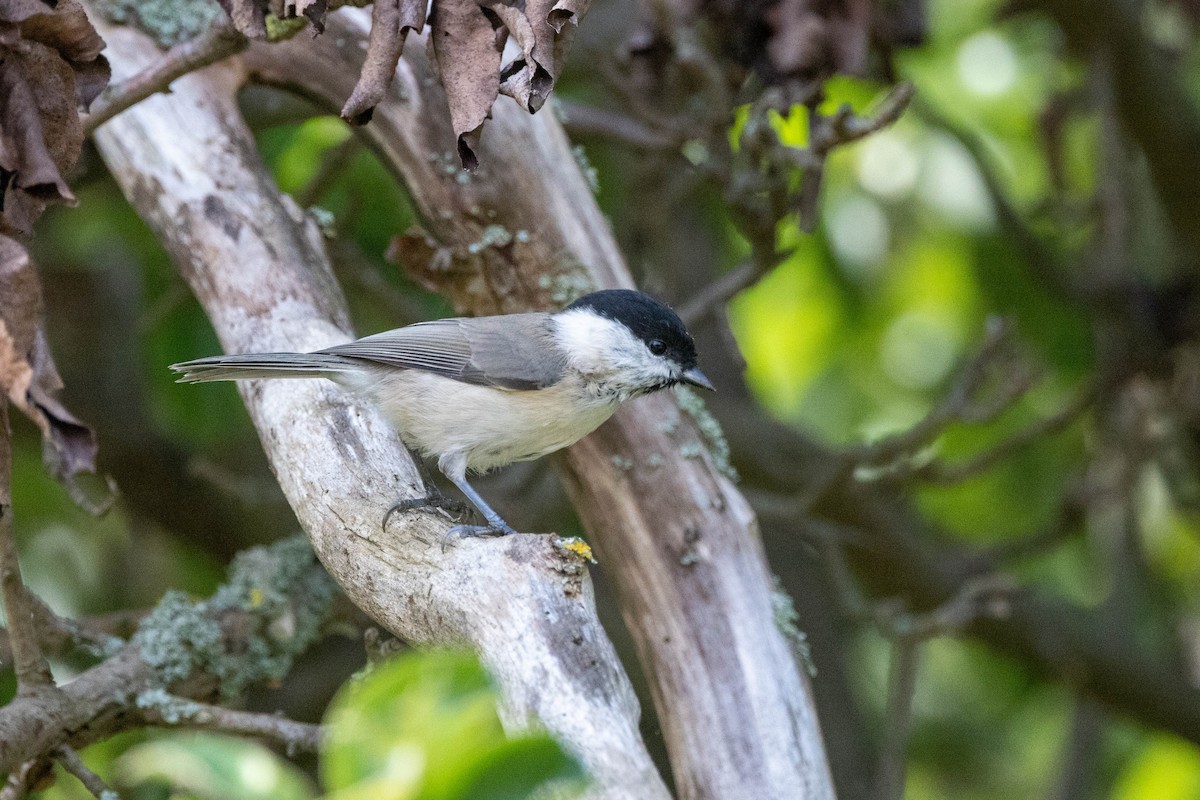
978, 597
73, 764
33, 672
946, 474
181, 713
902, 685
585, 120
954, 406
833, 130
716, 294
218, 42
57, 635
1081, 754
843, 126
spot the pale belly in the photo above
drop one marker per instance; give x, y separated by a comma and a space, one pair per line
446, 419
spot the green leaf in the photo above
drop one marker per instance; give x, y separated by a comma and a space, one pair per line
211, 767
517, 769
424, 726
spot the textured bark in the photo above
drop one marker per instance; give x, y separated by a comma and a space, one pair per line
188, 164
679, 539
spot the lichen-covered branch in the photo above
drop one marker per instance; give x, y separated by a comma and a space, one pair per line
269, 611
188, 164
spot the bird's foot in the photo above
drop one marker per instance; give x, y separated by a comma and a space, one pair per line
497, 528
456, 508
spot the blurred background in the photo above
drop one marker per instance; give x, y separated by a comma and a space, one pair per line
1007, 267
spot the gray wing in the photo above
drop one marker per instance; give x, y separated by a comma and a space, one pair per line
516, 351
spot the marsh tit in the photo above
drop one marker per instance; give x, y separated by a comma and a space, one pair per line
479, 393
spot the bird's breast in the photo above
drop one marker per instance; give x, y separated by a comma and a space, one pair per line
487, 427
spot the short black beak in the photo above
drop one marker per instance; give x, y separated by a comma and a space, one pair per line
697, 378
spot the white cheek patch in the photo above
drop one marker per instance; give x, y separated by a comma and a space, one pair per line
591, 341
601, 347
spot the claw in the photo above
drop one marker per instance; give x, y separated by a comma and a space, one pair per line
457, 508
468, 531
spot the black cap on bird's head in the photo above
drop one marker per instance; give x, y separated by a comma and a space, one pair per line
652, 321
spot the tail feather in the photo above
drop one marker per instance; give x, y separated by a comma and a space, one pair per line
261, 365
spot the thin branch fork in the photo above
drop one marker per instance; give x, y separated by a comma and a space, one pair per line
220, 41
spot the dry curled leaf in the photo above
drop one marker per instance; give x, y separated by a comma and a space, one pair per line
552, 24
50, 65
391, 20
313, 10
467, 40
30, 380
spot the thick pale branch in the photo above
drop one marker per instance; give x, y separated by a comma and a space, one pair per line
188, 164
682, 545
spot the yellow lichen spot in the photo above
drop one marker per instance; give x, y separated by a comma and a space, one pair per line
579, 547
256, 597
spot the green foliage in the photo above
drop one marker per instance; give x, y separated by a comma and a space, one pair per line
424, 726
208, 767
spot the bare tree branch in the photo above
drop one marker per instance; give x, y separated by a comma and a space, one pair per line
1143, 86
73, 764
583, 120
33, 672
893, 751
219, 41
942, 473
177, 712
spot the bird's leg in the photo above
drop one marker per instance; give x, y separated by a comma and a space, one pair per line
496, 526
433, 496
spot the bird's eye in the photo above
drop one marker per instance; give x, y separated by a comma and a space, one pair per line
658, 346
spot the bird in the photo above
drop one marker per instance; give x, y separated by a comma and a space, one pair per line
478, 393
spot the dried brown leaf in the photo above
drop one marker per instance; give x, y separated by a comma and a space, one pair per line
565, 11
30, 380
530, 80
467, 41
50, 64
391, 20
314, 10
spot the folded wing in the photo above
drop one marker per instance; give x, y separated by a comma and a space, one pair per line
516, 351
